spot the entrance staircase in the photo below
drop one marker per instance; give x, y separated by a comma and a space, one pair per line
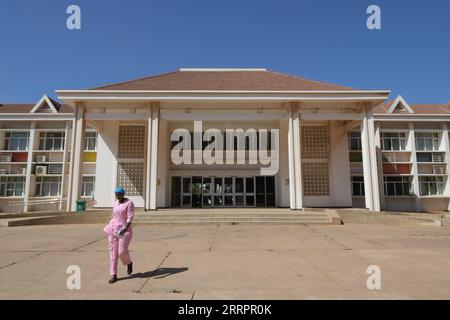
236, 216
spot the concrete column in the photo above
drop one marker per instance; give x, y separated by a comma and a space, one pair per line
297, 160
369, 162
64, 167
295, 176
373, 163
446, 142
292, 197
69, 186
77, 155
149, 157
29, 166
154, 155
379, 155
415, 168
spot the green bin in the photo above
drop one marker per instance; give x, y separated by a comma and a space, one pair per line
81, 205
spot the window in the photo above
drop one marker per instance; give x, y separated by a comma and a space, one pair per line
51, 141
426, 141
357, 186
354, 141
398, 186
90, 141
87, 186
48, 186
431, 186
16, 140
393, 140
12, 186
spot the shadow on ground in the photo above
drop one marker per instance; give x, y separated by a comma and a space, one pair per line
157, 273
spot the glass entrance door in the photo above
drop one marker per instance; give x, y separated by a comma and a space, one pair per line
223, 192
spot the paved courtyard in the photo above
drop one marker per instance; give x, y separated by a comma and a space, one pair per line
230, 262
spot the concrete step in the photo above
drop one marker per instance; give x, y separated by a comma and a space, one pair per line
193, 223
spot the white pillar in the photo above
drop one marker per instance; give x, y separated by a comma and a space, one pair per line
78, 154
297, 161
295, 176
373, 163
372, 194
380, 166
446, 142
69, 186
29, 166
149, 157
153, 166
64, 166
415, 168
292, 197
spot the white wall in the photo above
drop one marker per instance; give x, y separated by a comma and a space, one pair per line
106, 168
341, 193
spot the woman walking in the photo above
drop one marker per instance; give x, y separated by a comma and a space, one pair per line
120, 233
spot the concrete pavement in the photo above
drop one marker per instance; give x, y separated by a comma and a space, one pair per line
230, 262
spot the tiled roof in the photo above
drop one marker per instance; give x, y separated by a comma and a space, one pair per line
223, 80
417, 108
26, 108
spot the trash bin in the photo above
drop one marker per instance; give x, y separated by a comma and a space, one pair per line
81, 205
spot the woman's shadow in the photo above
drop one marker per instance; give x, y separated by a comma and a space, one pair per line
156, 274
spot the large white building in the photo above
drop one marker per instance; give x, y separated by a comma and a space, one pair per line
338, 146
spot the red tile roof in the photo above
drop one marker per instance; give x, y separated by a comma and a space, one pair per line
417, 108
26, 108
223, 80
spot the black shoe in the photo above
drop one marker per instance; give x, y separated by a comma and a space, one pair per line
113, 279
130, 268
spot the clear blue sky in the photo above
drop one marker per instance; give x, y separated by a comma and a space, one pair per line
319, 39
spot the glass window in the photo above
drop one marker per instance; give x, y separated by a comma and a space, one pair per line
51, 141
12, 186
431, 186
90, 141
16, 140
87, 186
354, 141
398, 186
426, 141
357, 186
48, 186
393, 140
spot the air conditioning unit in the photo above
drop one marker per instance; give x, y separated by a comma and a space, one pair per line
3, 171
41, 170
41, 159
5, 158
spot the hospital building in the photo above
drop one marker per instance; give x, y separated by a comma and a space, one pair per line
338, 147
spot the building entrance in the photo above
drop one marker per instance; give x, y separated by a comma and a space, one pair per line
223, 192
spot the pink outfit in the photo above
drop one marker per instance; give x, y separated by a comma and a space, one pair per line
123, 213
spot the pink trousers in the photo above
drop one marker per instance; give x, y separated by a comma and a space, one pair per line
118, 248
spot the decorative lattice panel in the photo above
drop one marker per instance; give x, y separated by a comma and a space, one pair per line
130, 176
131, 158
316, 179
131, 142
315, 156
315, 142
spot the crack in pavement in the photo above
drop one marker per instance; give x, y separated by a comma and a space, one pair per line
88, 244
153, 273
17, 262
329, 238
213, 238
